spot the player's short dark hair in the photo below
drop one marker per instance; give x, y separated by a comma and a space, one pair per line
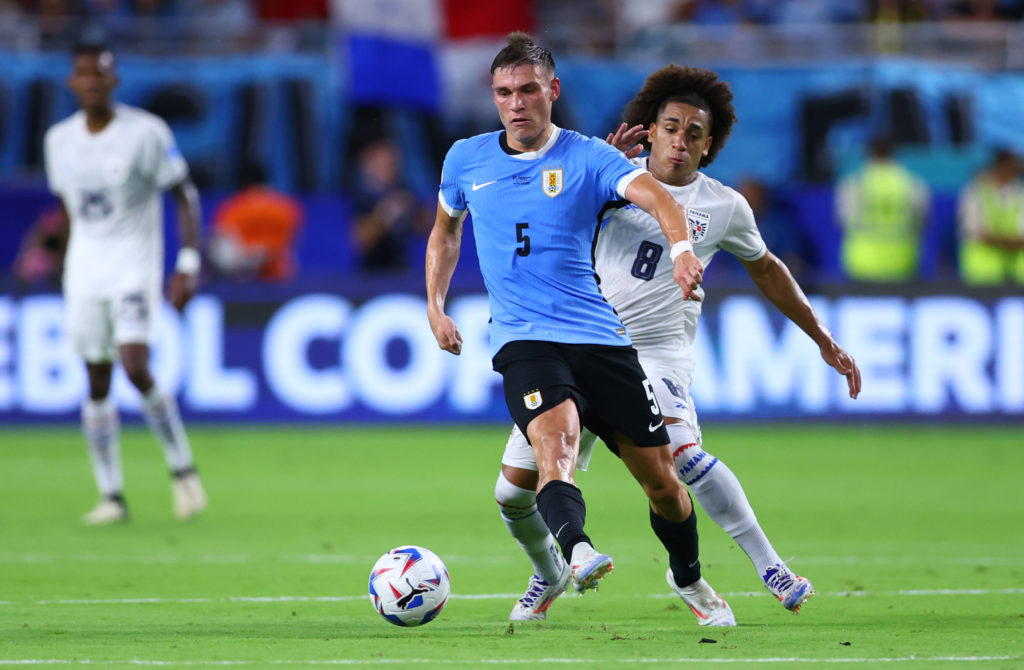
89, 48
521, 50
689, 85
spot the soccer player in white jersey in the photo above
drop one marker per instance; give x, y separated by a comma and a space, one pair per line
109, 164
686, 115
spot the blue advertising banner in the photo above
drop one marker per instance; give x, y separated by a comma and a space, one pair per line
257, 355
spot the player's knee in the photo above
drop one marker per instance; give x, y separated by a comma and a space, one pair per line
669, 499
513, 501
691, 461
99, 382
664, 493
138, 375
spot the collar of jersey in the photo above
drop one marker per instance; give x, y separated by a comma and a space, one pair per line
669, 187
533, 155
117, 112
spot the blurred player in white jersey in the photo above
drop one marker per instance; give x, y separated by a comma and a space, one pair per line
686, 115
109, 165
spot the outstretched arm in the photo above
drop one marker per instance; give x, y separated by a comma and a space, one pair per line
443, 249
774, 280
650, 196
186, 270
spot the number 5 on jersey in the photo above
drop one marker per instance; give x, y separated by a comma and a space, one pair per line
523, 239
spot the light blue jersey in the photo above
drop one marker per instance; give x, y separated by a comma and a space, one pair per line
535, 218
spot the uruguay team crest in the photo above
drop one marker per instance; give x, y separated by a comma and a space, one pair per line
699, 221
552, 182
532, 400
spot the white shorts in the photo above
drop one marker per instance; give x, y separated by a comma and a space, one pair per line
97, 325
671, 385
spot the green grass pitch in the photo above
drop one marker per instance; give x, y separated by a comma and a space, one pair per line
912, 535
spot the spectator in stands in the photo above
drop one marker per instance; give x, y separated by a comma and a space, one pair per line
41, 258
991, 223
881, 208
292, 10
986, 10
254, 232
10, 11
58, 22
386, 211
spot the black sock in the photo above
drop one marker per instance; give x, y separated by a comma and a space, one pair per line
681, 541
181, 473
563, 510
117, 497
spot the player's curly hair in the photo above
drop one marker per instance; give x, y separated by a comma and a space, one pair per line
521, 50
692, 86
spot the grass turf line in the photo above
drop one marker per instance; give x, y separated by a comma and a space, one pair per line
305, 513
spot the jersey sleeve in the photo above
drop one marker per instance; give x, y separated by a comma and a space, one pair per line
161, 159
50, 162
614, 170
742, 238
450, 195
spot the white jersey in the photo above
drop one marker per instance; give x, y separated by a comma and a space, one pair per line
111, 183
635, 270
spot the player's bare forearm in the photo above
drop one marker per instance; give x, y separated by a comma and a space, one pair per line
647, 194
185, 279
775, 281
1008, 243
443, 248
186, 197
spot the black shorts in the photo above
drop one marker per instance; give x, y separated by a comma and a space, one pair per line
607, 383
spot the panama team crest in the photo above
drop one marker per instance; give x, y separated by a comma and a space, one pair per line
552, 182
532, 400
699, 221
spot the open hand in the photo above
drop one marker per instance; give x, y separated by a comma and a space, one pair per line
688, 272
446, 333
181, 289
843, 363
627, 140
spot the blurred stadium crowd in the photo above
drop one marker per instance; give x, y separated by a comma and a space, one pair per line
336, 188
595, 26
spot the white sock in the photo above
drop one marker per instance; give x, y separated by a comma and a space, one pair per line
102, 436
720, 494
161, 413
518, 509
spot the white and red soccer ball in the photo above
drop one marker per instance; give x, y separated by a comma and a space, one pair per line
409, 586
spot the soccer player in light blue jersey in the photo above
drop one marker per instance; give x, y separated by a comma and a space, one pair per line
535, 193
685, 115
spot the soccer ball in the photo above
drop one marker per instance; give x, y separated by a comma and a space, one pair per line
409, 586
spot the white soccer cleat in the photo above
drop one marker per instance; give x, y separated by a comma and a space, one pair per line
107, 511
589, 567
709, 607
189, 496
539, 596
791, 589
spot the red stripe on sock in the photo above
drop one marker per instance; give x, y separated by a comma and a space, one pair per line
682, 449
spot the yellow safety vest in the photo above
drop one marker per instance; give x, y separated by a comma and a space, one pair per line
882, 244
983, 264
